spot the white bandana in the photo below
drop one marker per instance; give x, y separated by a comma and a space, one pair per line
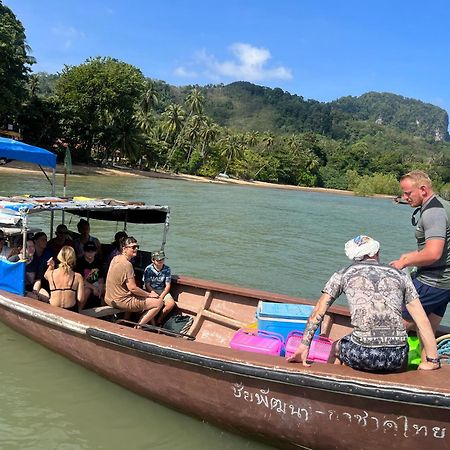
361, 246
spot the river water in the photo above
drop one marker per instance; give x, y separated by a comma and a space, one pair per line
278, 240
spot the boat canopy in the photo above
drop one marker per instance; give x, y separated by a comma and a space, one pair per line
12, 149
14, 208
15, 212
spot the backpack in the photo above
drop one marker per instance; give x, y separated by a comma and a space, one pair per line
178, 323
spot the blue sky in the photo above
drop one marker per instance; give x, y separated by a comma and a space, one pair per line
320, 49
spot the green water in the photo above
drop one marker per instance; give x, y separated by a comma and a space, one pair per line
277, 240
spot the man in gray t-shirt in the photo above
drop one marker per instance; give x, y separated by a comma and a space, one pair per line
376, 295
432, 257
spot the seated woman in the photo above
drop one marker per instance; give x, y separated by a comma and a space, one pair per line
157, 280
66, 286
38, 265
121, 289
91, 269
26, 256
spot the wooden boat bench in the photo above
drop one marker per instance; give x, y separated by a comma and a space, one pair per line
155, 329
101, 311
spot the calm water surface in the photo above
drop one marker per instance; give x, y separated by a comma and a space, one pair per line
277, 240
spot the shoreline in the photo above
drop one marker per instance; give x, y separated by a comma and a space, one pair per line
87, 170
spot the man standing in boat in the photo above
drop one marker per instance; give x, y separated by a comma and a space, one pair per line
432, 257
376, 295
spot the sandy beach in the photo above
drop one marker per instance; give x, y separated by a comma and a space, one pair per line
19, 167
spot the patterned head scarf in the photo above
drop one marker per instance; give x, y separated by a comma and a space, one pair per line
361, 246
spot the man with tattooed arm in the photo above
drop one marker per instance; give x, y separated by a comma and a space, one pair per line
376, 294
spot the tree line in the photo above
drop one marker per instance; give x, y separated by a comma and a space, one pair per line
106, 110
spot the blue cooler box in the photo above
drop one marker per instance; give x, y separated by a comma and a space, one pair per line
282, 318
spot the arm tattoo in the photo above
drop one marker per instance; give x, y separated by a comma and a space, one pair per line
310, 329
330, 301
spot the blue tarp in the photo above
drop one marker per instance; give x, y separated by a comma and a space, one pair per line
11, 149
12, 276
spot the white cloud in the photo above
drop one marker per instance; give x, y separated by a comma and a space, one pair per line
183, 72
67, 34
249, 64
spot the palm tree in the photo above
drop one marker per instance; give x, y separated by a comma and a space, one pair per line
232, 148
268, 139
143, 114
208, 134
252, 138
194, 101
150, 99
192, 130
144, 121
124, 135
173, 118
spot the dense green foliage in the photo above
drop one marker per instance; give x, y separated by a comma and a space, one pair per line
413, 116
97, 101
245, 106
105, 110
154, 124
14, 64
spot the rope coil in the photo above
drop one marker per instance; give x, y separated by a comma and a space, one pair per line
443, 347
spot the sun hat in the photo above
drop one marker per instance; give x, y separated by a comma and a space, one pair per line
361, 246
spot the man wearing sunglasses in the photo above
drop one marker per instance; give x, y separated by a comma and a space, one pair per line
121, 289
432, 257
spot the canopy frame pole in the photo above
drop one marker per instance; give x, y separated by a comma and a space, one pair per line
24, 236
52, 215
166, 230
52, 183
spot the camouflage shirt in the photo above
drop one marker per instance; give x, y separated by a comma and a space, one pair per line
376, 295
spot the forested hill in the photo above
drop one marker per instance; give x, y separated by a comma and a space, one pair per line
413, 116
246, 106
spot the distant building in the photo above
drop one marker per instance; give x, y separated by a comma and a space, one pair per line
10, 130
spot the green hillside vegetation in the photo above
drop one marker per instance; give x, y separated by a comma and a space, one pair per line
106, 111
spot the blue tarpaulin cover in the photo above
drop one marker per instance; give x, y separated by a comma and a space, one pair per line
11, 149
12, 276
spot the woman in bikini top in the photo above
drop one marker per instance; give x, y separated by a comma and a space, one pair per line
66, 286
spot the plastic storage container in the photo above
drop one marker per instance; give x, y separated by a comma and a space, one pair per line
319, 351
257, 341
282, 318
414, 353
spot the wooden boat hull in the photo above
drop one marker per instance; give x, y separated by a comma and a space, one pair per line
287, 405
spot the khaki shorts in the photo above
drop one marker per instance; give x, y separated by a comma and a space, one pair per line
132, 304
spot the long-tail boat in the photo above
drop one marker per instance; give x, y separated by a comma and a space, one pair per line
325, 406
